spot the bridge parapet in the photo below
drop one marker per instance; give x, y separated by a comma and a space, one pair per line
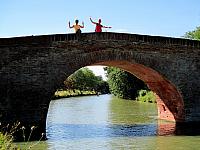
46, 39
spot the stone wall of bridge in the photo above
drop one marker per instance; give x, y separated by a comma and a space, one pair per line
32, 68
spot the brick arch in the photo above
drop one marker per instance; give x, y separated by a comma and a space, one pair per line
170, 103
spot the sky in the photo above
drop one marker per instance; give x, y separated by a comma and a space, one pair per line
171, 18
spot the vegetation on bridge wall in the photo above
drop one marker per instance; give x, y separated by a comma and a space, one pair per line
195, 34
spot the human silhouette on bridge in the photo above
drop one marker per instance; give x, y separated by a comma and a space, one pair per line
99, 26
77, 27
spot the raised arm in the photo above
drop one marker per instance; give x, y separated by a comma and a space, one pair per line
70, 26
106, 27
92, 21
82, 25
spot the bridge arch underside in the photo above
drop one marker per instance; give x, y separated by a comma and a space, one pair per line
169, 101
145, 66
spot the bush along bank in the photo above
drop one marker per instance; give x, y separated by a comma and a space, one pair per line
146, 96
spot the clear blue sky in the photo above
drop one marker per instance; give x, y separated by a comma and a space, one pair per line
152, 17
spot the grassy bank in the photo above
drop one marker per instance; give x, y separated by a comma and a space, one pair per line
72, 93
144, 95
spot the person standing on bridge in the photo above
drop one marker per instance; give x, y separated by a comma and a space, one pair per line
99, 26
77, 27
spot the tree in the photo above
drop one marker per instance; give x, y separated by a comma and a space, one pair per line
69, 83
193, 34
123, 84
103, 87
85, 79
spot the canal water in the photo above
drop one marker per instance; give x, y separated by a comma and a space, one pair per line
107, 123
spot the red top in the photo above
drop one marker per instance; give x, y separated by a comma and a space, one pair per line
98, 27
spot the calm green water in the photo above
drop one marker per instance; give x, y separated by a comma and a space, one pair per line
107, 123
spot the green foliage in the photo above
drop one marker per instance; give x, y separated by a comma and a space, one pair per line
84, 79
193, 34
146, 96
69, 83
123, 84
70, 93
6, 137
6, 142
103, 87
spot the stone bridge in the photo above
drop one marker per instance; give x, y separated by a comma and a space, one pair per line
33, 67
